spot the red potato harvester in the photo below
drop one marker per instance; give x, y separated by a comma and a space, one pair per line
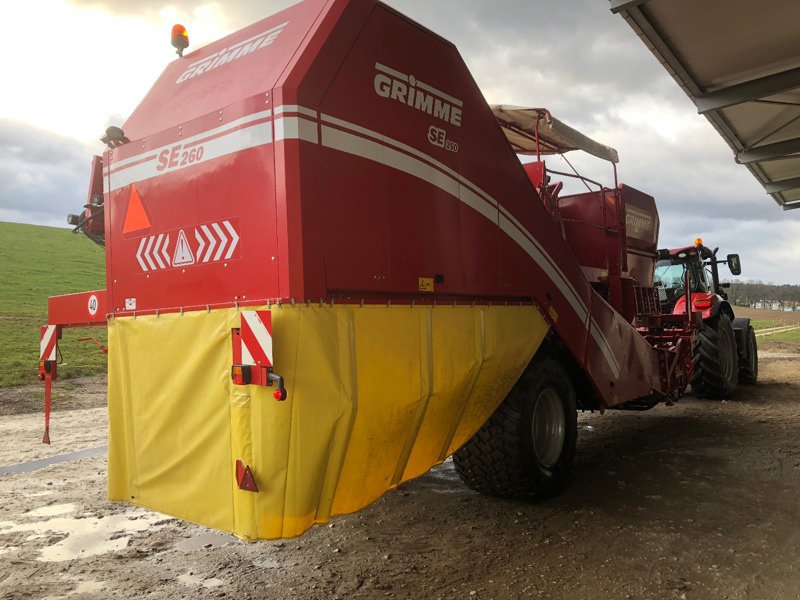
328, 271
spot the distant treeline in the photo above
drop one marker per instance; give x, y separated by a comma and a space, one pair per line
764, 295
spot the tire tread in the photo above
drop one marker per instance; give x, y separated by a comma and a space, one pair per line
493, 461
708, 380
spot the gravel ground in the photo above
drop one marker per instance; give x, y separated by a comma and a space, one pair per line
699, 500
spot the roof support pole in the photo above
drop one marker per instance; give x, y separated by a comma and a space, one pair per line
748, 91
783, 149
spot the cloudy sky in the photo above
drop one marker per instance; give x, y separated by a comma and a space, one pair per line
89, 63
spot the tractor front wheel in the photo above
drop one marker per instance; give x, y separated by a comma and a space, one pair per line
716, 361
527, 447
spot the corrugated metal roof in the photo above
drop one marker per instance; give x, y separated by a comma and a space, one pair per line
739, 61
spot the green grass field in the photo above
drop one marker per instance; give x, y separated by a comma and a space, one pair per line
37, 262
786, 336
758, 324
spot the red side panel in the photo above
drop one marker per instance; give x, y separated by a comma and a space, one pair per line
200, 171
592, 221
585, 222
356, 232
209, 238
385, 225
642, 228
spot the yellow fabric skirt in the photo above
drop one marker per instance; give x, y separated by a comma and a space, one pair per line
377, 395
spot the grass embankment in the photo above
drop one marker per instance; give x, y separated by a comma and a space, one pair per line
37, 262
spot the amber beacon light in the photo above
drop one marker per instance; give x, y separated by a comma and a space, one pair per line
180, 38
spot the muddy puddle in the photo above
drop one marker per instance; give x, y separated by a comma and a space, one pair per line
80, 534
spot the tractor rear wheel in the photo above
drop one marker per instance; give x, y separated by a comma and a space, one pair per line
527, 447
748, 366
716, 361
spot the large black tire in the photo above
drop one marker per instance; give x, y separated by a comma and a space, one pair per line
716, 361
748, 366
527, 447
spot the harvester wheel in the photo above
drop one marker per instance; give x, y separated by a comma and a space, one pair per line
716, 361
527, 447
748, 366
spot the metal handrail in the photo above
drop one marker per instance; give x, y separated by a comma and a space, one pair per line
574, 176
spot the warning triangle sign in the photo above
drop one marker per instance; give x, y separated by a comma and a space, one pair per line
136, 217
183, 252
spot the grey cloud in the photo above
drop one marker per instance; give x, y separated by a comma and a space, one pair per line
43, 176
239, 14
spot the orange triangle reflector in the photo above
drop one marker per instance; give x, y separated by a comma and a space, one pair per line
136, 217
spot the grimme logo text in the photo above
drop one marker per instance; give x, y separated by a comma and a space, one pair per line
416, 94
232, 53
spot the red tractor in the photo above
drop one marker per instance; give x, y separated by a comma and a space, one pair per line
725, 352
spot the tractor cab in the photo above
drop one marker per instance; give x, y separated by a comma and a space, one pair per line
700, 267
672, 268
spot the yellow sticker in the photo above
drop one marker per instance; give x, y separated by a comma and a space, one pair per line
426, 284
553, 314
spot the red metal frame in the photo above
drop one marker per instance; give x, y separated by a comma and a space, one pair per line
85, 309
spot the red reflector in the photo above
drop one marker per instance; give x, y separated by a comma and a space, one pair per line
244, 477
702, 303
277, 394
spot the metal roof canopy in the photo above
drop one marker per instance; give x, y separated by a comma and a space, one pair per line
739, 61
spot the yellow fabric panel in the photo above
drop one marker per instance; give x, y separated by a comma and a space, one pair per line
241, 431
301, 442
459, 356
169, 389
508, 334
377, 395
390, 387
121, 451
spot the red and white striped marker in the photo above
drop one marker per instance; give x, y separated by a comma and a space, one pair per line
256, 333
47, 352
48, 342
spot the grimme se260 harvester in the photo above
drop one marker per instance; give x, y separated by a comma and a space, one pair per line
328, 271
